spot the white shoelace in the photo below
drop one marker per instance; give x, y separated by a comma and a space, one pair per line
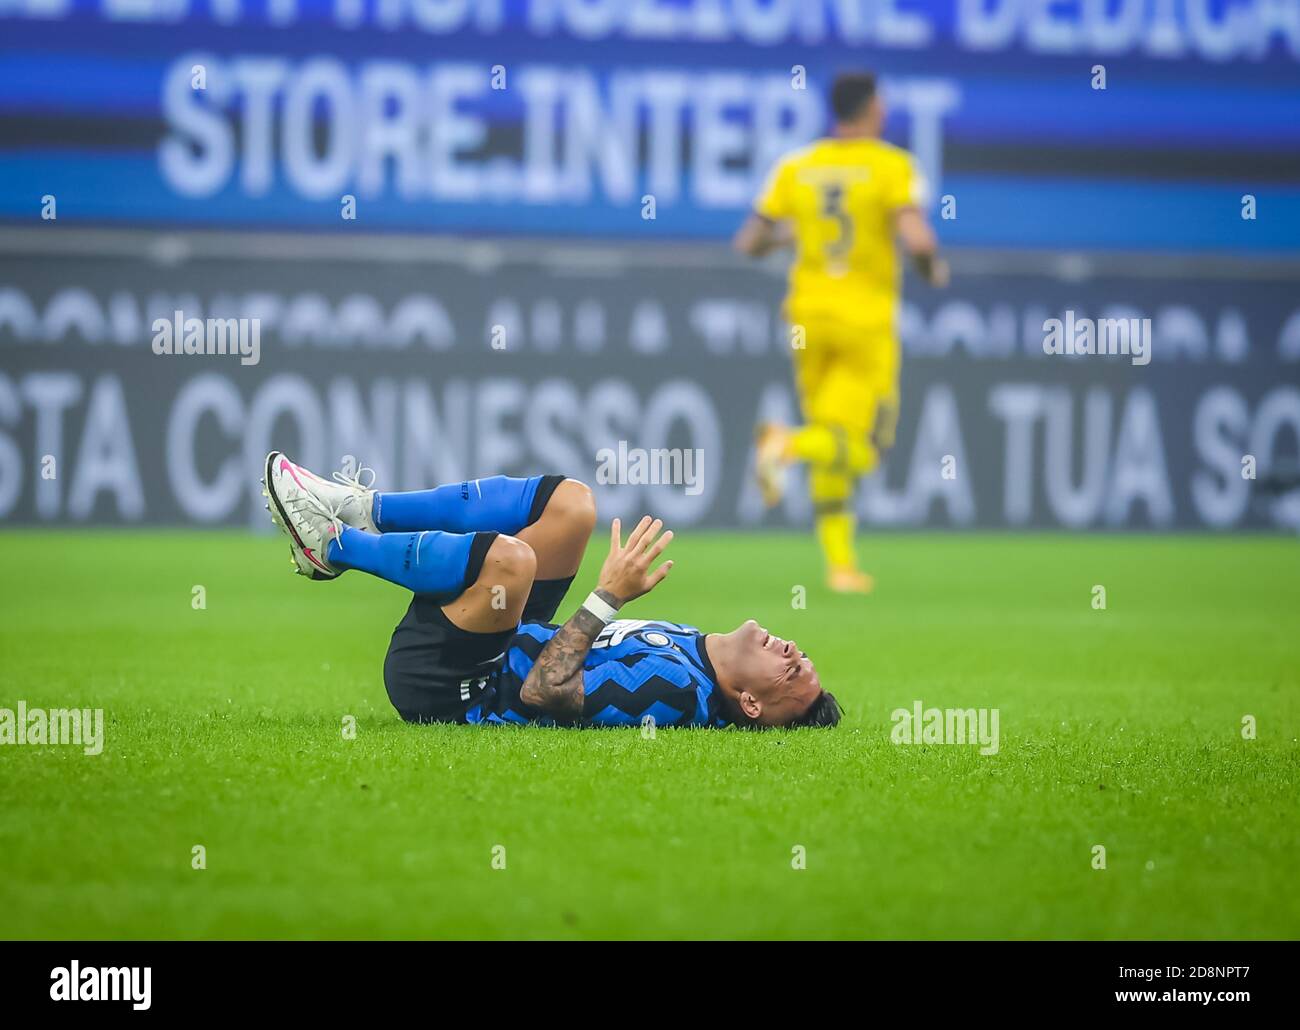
324, 511
355, 481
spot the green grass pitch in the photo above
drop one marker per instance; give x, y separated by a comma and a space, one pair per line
223, 726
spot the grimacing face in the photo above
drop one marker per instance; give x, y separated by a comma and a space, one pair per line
777, 682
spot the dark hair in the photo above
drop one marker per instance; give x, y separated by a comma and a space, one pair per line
824, 712
850, 93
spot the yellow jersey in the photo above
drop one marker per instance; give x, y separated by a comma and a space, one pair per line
841, 196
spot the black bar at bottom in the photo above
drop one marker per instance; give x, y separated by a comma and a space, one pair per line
338, 979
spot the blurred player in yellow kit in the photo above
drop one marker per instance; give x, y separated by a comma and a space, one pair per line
842, 201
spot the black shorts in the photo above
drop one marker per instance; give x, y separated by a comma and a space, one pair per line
434, 670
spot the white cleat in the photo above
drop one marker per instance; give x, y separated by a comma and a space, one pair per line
306, 517
348, 495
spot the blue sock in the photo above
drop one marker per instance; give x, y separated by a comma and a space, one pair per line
424, 563
499, 504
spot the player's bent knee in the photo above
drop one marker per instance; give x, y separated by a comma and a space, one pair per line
494, 601
560, 534
574, 504
510, 562
499, 594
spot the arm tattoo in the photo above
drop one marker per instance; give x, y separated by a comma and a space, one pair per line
554, 683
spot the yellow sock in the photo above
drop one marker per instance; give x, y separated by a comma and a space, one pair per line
831, 496
835, 534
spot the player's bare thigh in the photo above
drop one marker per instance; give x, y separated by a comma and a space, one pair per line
559, 537
495, 600
551, 548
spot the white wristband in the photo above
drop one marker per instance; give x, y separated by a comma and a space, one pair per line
600, 608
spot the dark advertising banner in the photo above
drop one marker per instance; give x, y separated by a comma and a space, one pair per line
133, 391
1164, 124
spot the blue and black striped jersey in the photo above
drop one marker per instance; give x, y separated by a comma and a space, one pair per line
635, 669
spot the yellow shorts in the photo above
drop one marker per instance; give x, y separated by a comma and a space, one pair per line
848, 376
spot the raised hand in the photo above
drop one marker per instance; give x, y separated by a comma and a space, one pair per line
626, 574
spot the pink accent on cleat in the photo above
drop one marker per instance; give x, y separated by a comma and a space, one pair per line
287, 466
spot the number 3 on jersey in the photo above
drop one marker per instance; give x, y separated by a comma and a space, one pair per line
837, 250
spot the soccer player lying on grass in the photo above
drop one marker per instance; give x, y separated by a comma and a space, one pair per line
489, 561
